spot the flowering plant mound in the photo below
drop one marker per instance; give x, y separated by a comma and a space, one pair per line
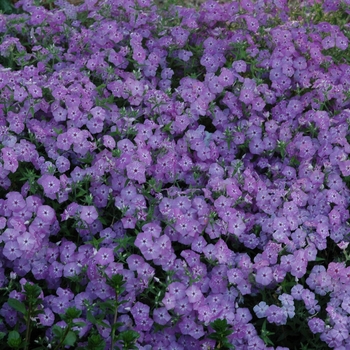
175, 180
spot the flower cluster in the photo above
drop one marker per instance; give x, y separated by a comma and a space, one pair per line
175, 180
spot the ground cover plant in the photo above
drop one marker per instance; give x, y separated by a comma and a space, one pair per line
174, 179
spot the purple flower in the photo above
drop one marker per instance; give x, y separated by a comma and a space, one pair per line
187, 325
12, 250
10, 159
104, 329
129, 222
88, 214
40, 270
20, 94
143, 240
246, 96
56, 270
134, 261
62, 164
260, 309
194, 294
71, 269
169, 301
341, 42
59, 305
79, 300
21, 267
161, 316
50, 184
136, 171
177, 289
264, 276
277, 315
103, 290
26, 241
239, 66
104, 256
140, 312
15, 201
47, 318
9, 315
316, 325
46, 213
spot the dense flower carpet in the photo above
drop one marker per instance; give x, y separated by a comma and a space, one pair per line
175, 179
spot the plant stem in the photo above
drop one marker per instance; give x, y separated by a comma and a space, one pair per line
63, 338
114, 320
28, 330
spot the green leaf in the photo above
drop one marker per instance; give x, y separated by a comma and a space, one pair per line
57, 331
71, 313
17, 305
6, 7
14, 339
79, 324
128, 338
70, 339
117, 282
96, 242
32, 291
91, 318
95, 342
58, 131
167, 127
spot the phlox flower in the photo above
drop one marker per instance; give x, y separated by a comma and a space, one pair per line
161, 316
104, 256
46, 213
194, 294
15, 201
316, 325
264, 276
71, 269
276, 315
260, 309
136, 171
88, 214
26, 241
47, 318
50, 184
140, 312
12, 250
108, 141
10, 159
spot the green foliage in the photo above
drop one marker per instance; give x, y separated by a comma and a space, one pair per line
128, 339
96, 342
14, 340
29, 309
221, 331
7, 7
68, 337
17, 305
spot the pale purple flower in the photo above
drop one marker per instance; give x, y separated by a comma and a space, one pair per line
26, 241
264, 276
104, 256
88, 214
260, 309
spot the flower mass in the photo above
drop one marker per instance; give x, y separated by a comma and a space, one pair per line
175, 179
